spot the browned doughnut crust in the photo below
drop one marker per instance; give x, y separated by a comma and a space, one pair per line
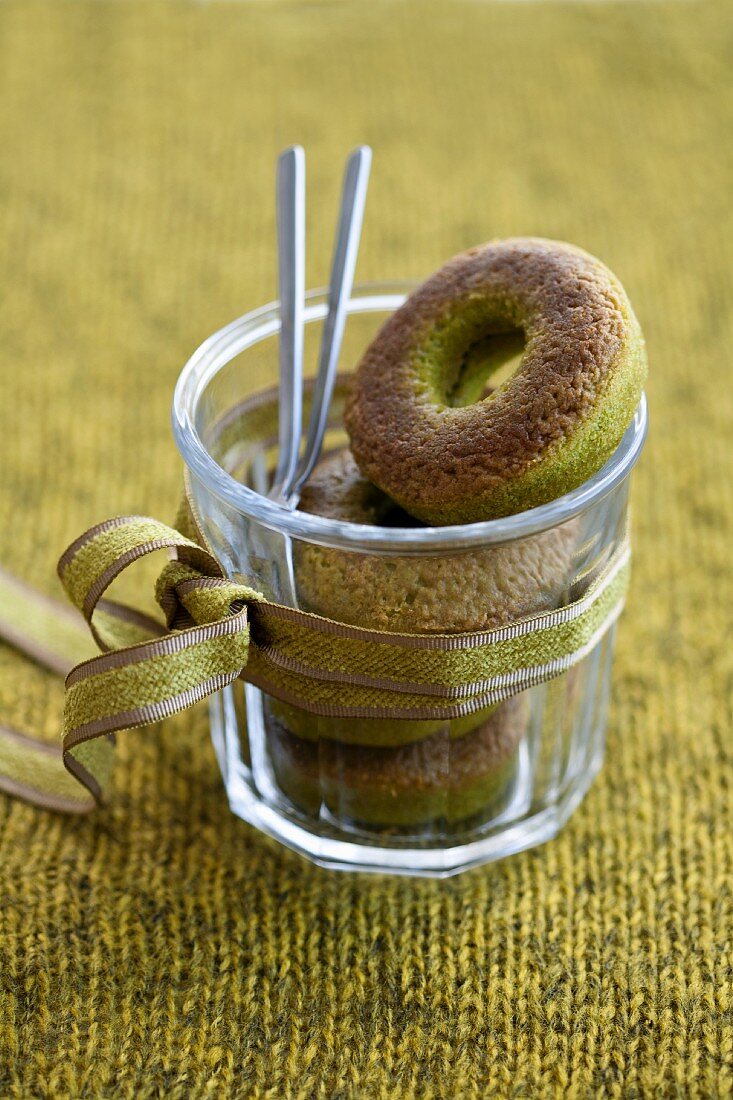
434, 778
471, 590
538, 435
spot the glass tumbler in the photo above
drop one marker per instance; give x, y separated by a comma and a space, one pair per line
414, 795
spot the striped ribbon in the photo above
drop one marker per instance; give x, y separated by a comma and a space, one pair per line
217, 630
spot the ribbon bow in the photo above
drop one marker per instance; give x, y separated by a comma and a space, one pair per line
148, 671
140, 679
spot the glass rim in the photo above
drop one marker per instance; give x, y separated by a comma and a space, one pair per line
251, 328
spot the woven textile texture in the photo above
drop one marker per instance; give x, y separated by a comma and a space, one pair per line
162, 948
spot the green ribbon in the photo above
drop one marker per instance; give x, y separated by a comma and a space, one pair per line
217, 630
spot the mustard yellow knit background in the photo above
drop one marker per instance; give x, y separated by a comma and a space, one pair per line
161, 947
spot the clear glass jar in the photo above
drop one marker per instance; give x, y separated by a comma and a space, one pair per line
414, 796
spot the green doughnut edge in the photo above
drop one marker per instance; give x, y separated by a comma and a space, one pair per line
371, 732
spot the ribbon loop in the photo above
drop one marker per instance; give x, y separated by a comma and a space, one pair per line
135, 684
93, 561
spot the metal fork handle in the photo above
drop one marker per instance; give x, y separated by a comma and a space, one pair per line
351, 217
290, 190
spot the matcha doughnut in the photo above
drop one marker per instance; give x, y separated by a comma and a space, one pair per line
436, 779
471, 590
468, 590
539, 434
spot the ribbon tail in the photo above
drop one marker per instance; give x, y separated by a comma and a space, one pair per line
51, 633
34, 770
55, 636
144, 684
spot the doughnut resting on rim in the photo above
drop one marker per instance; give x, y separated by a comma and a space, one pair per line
539, 434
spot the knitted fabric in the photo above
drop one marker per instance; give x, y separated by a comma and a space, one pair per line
162, 947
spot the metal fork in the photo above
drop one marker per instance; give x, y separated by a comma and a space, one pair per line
292, 473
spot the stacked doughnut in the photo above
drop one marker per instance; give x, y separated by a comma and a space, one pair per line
432, 441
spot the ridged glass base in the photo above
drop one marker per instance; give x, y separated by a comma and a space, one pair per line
554, 767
